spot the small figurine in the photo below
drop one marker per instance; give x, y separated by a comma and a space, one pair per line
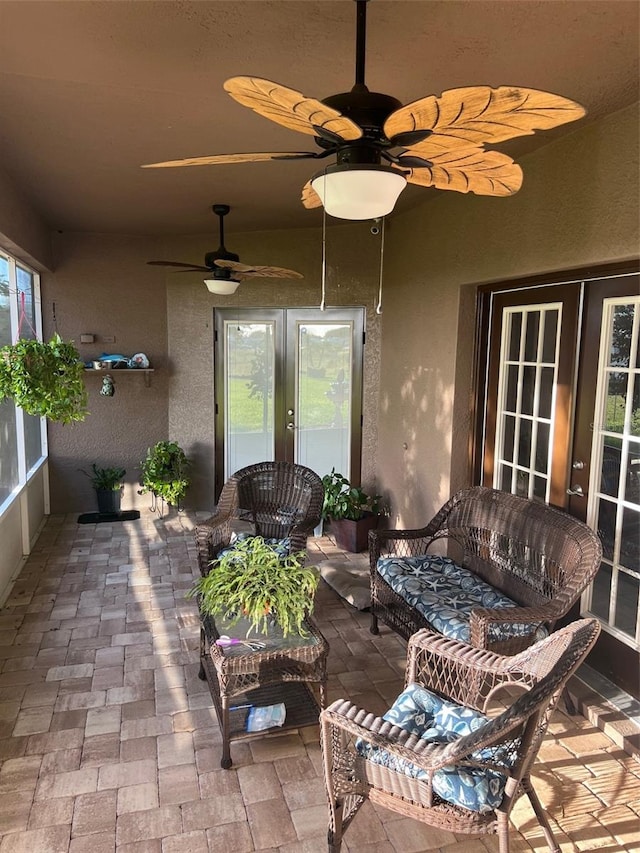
108, 386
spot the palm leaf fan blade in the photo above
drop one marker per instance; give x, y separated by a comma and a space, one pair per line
477, 171
480, 114
256, 271
310, 198
228, 159
290, 108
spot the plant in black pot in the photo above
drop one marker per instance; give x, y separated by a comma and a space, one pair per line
165, 474
108, 484
351, 511
254, 582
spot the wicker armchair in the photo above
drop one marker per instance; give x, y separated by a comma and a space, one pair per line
279, 499
537, 558
457, 770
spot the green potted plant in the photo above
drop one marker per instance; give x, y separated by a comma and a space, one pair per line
44, 379
255, 581
351, 511
165, 473
108, 484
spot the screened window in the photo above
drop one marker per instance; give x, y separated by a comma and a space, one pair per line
22, 436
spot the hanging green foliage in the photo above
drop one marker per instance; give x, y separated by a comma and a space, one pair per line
165, 472
44, 379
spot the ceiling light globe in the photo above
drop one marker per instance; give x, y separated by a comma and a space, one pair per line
359, 191
221, 286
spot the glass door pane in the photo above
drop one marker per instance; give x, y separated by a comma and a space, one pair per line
324, 391
249, 393
529, 357
614, 505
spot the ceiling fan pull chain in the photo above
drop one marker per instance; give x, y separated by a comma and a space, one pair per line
379, 305
324, 257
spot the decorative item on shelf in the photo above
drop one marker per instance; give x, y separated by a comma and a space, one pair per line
108, 386
108, 483
139, 360
44, 379
350, 510
254, 580
165, 474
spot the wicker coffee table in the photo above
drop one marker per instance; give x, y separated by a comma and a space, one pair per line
283, 671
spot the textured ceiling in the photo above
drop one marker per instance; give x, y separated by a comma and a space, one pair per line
89, 91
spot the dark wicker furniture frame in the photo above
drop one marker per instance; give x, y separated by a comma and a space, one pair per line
279, 499
241, 677
474, 678
541, 557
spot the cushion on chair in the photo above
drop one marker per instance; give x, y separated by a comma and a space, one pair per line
280, 546
445, 593
436, 720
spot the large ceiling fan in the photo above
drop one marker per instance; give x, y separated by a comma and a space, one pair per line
223, 268
380, 145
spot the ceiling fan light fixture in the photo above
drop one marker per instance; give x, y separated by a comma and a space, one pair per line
221, 286
359, 190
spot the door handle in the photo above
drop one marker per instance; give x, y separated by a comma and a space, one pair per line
291, 426
575, 491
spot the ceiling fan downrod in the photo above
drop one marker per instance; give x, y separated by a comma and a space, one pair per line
361, 40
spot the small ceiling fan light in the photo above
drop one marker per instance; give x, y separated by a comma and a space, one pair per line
221, 286
359, 191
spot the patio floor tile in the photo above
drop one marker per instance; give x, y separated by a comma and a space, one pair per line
109, 742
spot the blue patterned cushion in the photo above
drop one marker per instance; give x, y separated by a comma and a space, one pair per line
446, 593
434, 719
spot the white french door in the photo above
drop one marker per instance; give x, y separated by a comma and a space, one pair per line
289, 386
561, 424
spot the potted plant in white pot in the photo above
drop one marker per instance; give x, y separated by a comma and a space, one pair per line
254, 580
351, 511
108, 483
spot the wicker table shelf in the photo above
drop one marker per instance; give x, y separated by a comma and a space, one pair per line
239, 677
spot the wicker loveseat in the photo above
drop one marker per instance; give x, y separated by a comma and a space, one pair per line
456, 749
276, 500
491, 569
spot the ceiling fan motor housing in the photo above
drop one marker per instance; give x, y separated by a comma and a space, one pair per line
367, 109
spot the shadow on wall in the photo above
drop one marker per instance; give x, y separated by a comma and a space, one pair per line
424, 434
201, 492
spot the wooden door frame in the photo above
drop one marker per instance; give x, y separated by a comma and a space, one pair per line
484, 296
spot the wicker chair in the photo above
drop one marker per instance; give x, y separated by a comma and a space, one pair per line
482, 761
279, 499
539, 558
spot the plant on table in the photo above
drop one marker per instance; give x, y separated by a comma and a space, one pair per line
253, 580
44, 379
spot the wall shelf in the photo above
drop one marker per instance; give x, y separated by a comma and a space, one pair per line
121, 371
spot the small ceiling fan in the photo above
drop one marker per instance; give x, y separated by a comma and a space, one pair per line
223, 268
381, 145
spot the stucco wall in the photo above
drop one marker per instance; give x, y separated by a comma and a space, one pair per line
352, 279
102, 286
579, 204
22, 231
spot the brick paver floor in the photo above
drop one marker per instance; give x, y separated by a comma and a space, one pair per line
108, 740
